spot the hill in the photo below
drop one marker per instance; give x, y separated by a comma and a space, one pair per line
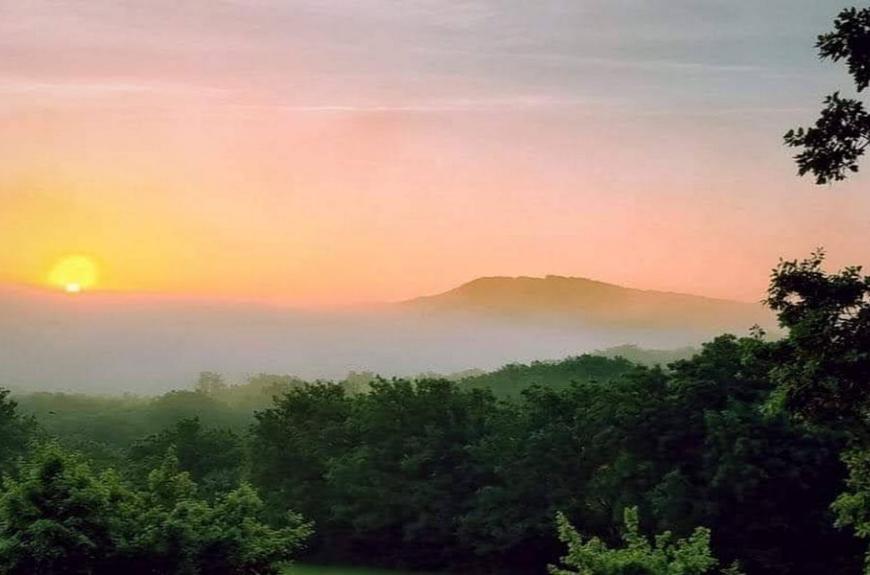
574, 300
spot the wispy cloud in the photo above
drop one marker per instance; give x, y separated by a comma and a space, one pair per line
495, 104
104, 88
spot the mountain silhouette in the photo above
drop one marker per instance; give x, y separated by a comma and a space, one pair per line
572, 300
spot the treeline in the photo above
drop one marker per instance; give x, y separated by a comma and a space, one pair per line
429, 475
104, 427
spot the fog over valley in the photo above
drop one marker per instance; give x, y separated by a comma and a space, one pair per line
110, 343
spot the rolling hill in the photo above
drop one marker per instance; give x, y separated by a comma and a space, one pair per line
574, 300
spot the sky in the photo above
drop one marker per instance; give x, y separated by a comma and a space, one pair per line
332, 152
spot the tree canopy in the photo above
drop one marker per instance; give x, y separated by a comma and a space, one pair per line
59, 517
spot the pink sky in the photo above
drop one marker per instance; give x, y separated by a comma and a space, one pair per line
328, 152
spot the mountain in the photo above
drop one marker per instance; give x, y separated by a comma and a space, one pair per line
581, 301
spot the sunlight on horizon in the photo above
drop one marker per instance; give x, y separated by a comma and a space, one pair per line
74, 274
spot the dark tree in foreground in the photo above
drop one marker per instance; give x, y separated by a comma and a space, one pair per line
825, 373
826, 378
831, 148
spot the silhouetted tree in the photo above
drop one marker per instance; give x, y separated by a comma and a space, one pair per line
824, 367
824, 371
832, 147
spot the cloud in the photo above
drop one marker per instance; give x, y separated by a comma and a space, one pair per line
73, 89
504, 104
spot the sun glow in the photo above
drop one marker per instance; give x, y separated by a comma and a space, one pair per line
74, 274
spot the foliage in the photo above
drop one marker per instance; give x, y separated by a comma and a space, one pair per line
832, 147
648, 357
825, 361
59, 517
664, 555
210, 383
104, 427
56, 519
824, 366
214, 458
255, 393
181, 533
853, 506
438, 474
409, 476
15, 431
512, 379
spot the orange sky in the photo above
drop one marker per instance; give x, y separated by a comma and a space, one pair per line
315, 155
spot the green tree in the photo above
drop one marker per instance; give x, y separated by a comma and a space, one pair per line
831, 148
438, 475
15, 432
172, 530
294, 442
824, 374
824, 363
853, 505
664, 555
61, 518
57, 518
215, 458
410, 477
210, 383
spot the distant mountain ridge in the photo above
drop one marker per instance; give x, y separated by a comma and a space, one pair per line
582, 300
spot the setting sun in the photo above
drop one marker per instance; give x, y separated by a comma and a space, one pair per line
74, 274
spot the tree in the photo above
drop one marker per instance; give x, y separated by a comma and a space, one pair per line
61, 518
824, 372
15, 431
853, 506
210, 383
55, 519
664, 555
215, 458
172, 530
832, 147
410, 476
439, 475
824, 367
294, 442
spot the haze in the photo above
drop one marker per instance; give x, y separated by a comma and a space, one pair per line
113, 343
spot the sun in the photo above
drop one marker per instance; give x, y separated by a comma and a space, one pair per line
74, 273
